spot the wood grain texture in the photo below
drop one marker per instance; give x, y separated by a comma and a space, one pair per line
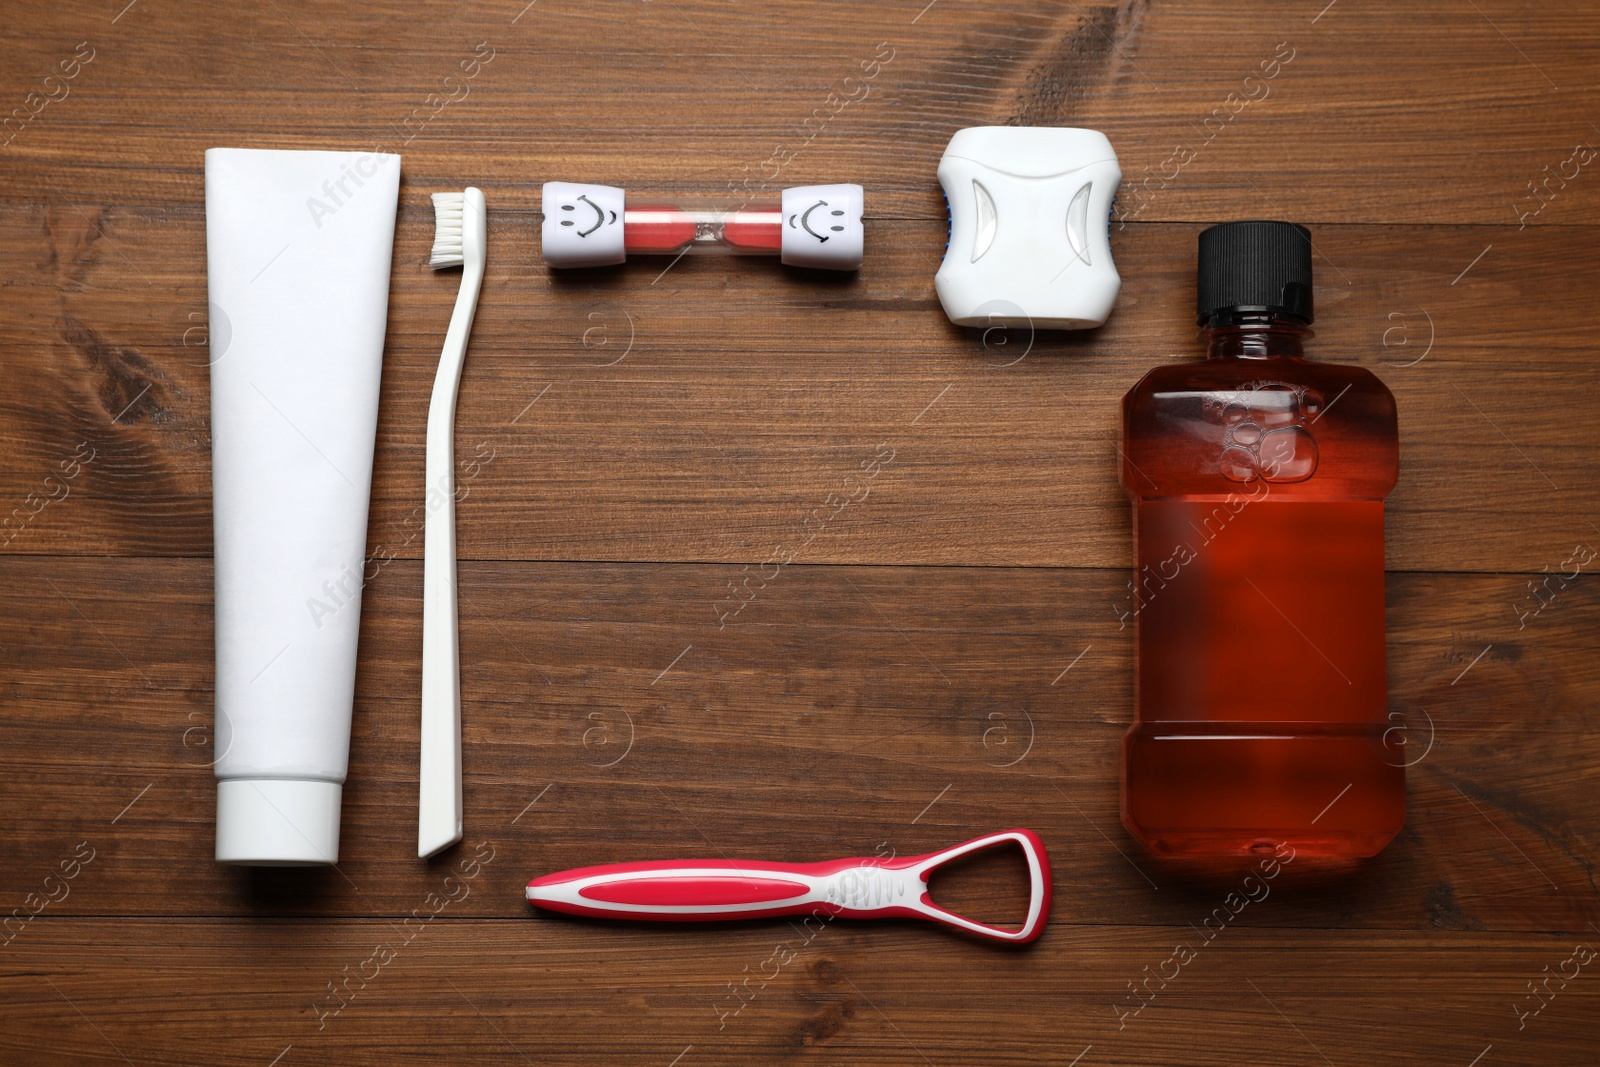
485, 992
704, 416
823, 718
943, 658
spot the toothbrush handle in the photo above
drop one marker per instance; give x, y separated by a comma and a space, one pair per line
861, 887
439, 773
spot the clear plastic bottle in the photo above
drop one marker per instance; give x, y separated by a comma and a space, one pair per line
1258, 481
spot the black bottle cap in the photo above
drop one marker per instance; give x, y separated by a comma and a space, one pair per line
1254, 267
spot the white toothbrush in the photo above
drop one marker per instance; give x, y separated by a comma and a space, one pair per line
458, 241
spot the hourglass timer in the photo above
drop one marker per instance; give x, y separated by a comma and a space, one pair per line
598, 225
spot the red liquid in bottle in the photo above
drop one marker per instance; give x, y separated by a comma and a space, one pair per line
1258, 482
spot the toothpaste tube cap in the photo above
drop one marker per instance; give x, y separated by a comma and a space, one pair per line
278, 822
822, 226
582, 224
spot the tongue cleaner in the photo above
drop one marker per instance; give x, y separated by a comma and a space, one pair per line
861, 887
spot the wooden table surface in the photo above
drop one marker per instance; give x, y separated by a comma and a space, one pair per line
943, 658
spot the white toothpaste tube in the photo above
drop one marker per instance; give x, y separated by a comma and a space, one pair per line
298, 246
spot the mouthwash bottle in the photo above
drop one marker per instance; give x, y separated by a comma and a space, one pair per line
1258, 480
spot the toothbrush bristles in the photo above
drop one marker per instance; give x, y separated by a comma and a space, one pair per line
448, 209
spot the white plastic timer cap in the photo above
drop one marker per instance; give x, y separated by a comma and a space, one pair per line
822, 226
1029, 227
278, 822
582, 225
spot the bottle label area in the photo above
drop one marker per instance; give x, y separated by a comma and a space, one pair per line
1261, 678
1255, 609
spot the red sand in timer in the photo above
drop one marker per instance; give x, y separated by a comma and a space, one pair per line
662, 229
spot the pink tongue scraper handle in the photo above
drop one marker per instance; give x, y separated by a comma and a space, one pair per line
862, 887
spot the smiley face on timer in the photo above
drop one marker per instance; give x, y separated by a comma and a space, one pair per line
586, 216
